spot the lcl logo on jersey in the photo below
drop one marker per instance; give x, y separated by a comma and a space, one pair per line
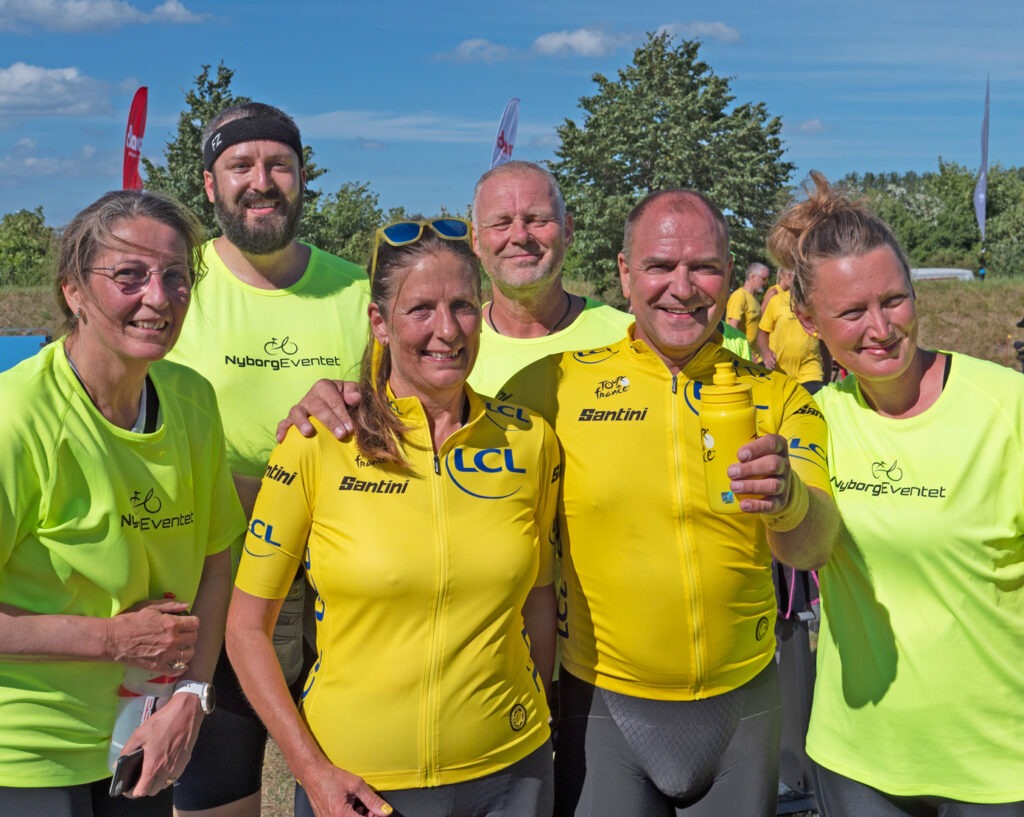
263, 531
478, 472
592, 356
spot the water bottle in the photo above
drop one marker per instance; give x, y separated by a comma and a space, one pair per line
138, 697
141, 692
727, 422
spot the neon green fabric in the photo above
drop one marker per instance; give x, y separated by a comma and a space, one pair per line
95, 519
262, 349
501, 356
920, 687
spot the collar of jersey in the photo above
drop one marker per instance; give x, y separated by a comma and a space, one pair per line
701, 367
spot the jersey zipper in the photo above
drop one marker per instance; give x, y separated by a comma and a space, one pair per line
431, 714
685, 532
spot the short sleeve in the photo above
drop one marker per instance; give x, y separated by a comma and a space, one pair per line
281, 518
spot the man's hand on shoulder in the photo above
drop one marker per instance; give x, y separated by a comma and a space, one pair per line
329, 402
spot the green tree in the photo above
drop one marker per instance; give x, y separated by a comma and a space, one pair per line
25, 246
182, 176
667, 121
343, 223
933, 216
1004, 229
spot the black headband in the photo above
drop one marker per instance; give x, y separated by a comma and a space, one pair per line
252, 129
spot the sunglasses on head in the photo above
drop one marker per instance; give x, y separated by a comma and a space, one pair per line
403, 233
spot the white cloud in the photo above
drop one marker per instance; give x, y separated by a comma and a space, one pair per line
583, 42
808, 126
73, 16
87, 162
477, 50
172, 11
702, 30
29, 90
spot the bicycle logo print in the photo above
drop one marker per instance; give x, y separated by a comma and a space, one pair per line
284, 346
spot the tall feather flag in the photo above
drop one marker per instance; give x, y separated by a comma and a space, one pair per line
981, 188
133, 140
507, 129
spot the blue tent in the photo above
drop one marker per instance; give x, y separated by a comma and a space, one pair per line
18, 344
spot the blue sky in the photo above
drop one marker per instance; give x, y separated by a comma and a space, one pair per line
406, 97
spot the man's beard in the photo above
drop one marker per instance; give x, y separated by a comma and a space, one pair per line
264, 236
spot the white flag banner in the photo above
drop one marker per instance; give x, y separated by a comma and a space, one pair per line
506, 139
981, 188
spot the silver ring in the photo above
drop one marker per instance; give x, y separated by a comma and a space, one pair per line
180, 663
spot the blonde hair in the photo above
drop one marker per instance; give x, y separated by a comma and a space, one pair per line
827, 224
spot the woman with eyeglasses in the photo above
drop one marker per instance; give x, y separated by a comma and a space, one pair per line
919, 700
117, 513
429, 539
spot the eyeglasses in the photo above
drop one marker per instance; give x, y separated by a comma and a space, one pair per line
178, 279
403, 233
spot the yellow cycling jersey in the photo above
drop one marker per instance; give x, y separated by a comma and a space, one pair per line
660, 597
424, 675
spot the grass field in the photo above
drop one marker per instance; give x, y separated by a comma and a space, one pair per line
975, 318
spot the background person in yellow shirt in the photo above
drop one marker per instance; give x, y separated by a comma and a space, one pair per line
742, 310
785, 346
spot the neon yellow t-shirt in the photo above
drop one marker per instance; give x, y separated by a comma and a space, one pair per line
744, 307
920, 687
796, 352
735, 341
421, 575
501, 356
95, 518
662, 598
262, 349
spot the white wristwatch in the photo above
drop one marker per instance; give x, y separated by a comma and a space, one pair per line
205, 692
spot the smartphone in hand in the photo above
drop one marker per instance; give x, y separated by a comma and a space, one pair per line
127, 772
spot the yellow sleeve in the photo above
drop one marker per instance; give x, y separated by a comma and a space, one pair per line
803, 425
279, 529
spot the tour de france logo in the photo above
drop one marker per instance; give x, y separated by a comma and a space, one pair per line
517, 717
762, 628
284, 346
150, 502
890, 471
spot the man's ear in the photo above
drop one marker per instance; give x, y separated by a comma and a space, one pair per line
624, 275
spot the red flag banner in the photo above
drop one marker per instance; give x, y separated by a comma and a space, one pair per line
506, 138
133, 140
